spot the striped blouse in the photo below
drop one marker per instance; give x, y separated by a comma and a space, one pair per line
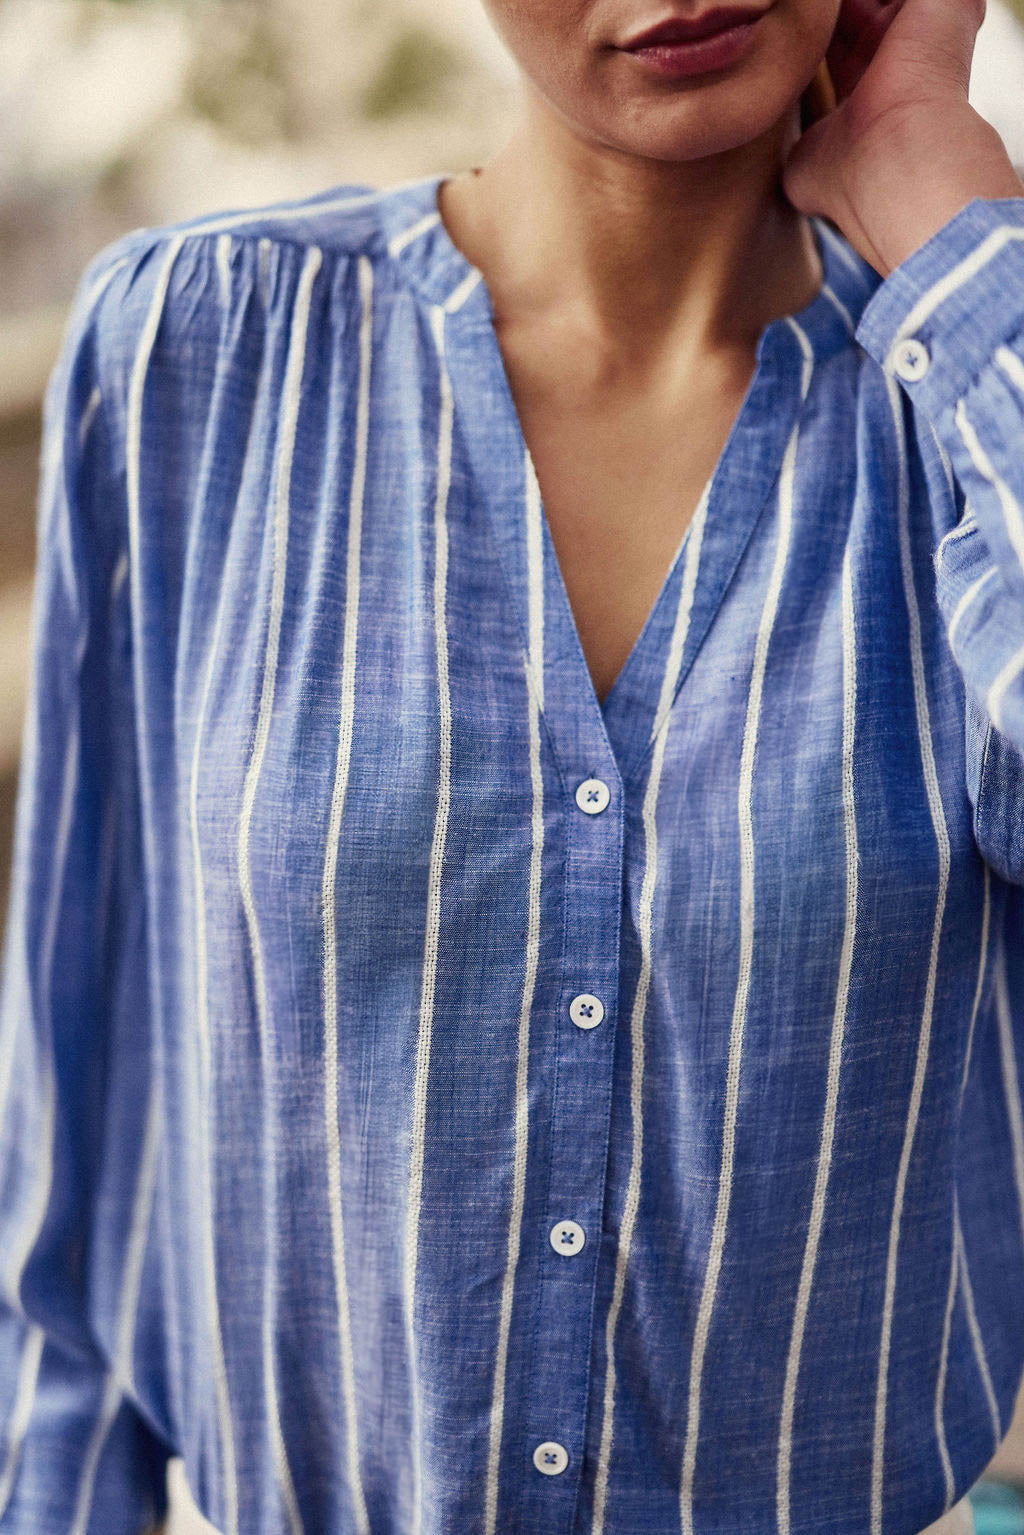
433, 1102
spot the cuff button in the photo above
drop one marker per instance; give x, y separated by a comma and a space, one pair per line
911, 360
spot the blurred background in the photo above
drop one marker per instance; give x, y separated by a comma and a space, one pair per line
121, 113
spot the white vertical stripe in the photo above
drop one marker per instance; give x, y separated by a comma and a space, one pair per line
931, 784
1013, 512
433, 917
839, 307
138, 384
843, 252
21, 1412
399, 241
975, 1331
119, 577
88, 414
112, 1398
940, 1380
330, 978
535, 576
745, 809
456, 300
122, 1371
224, 268
835, 1054
986, 917
637, 1043
202, 994
958, 1257
522, 1109
965, 602
104, 278
291, 395
691, 541
263, 269
1012, 365
108, 826
947, 466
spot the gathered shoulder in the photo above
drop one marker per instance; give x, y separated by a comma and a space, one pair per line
344, 218
171, 274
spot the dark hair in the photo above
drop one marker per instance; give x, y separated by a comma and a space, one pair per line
818, 99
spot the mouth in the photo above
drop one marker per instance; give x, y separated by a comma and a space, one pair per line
677, 31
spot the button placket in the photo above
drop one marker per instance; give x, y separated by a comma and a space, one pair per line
568, 1245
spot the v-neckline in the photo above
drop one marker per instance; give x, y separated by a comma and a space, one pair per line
718, 533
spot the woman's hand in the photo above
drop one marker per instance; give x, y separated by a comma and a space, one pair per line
904, 150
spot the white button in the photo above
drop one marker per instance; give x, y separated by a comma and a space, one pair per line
911, 360
567, 1238
586, 1011
592, 795
550, 1457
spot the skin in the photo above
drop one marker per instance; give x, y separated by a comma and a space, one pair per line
904, 151
638, 234
643, 206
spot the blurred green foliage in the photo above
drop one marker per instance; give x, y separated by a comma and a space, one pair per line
244, 81
240, 78
413, 75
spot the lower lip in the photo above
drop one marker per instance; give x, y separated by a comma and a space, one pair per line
674, 60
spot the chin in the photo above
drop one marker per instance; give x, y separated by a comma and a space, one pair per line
714, 117
660, 135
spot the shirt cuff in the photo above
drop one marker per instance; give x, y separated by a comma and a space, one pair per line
937, 320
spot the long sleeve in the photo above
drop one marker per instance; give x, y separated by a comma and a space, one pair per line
79, 1125
947, 326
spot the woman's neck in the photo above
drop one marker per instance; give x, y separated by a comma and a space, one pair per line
646, 257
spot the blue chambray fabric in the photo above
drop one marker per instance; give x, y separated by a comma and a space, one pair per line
330, 997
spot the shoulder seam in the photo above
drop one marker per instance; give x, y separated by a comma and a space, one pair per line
259, 223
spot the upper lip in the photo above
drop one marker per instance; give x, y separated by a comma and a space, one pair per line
678, 30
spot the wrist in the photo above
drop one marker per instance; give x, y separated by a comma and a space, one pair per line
927, 166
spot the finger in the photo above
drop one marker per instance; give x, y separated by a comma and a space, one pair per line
863, 23
861, 26
863, 18
934, 40
931, 42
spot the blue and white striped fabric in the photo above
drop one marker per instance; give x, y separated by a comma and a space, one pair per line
402, 1140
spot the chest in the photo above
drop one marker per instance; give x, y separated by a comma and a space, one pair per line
621, 472
405, 757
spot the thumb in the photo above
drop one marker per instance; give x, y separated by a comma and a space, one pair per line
805, 170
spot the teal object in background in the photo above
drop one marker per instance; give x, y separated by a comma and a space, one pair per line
998, 1508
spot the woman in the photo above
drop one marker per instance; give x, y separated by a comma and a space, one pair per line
512, 1005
